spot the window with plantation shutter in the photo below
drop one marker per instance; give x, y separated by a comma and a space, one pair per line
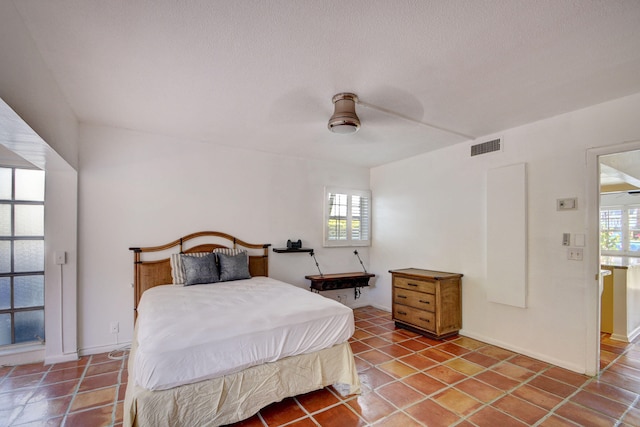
347, 217
620, 230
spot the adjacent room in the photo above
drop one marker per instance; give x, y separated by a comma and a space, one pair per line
436, 201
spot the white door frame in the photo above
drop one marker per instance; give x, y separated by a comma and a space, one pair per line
592, 267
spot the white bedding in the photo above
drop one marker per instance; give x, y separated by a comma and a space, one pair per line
192, 333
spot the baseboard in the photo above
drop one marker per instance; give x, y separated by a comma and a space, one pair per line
618, 337
381, 307
103, 348
360, 304
524, 351
61, 358
634, 334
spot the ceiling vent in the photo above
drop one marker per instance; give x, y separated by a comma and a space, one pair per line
486, 147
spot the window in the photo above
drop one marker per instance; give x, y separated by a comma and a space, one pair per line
21, 256
620, 230
347, 217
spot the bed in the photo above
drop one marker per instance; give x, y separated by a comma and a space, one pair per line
210, 354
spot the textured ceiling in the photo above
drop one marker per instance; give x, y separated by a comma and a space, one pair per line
620, 170
261, 74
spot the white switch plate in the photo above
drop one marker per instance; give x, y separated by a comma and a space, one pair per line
567, 204
578, 240
61, 257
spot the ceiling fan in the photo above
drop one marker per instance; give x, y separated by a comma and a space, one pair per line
345, 120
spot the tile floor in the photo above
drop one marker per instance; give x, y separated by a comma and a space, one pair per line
408, 380
87, 392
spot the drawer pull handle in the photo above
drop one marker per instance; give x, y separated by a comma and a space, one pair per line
424, 302
425, 320
412, 284
402, 296
402, 312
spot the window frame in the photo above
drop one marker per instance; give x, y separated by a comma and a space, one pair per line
625, 242
349, 241
12, 274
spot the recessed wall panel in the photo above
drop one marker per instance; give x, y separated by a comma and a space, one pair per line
507, 235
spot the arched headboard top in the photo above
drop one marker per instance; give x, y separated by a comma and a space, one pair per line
150, 270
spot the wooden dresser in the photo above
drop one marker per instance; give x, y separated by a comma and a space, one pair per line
428, 302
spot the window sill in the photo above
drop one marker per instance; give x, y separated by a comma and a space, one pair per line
19, 354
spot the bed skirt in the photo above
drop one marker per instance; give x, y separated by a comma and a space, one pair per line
238, 396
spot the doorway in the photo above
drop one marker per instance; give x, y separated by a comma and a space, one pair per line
614, 171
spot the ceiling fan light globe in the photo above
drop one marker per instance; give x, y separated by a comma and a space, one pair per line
344, 127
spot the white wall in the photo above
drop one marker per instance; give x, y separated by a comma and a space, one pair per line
28, 86
49, 141
60, 234
138, 189
429, 212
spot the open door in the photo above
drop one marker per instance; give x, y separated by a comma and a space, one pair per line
614, 239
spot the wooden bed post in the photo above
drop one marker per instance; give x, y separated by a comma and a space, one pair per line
136, 280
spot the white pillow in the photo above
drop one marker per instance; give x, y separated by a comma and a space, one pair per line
229, 251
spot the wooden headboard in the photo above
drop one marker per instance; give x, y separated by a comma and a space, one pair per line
150, 273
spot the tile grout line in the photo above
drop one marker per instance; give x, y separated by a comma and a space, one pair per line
75, 392
550, 412
422, 371
123, 364
436, 364
11, 370
462, 418
606, 368
449, 386
34, 388
510, 391
635, 402
485, 369
373, 390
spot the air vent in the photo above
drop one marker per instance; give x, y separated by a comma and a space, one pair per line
486, 147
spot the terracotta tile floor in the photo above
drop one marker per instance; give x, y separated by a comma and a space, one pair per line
408, 380
87, 392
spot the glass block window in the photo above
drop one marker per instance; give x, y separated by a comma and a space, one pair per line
21, 256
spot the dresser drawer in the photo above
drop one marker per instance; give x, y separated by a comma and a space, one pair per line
420, 300
421, 319
415, 285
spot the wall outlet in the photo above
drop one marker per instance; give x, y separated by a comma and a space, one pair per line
114, 327
342, 298
575, 254
60, 257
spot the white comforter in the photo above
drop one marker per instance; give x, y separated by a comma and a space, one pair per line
192, 333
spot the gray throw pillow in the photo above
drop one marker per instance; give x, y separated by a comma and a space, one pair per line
234, 267
200, 269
